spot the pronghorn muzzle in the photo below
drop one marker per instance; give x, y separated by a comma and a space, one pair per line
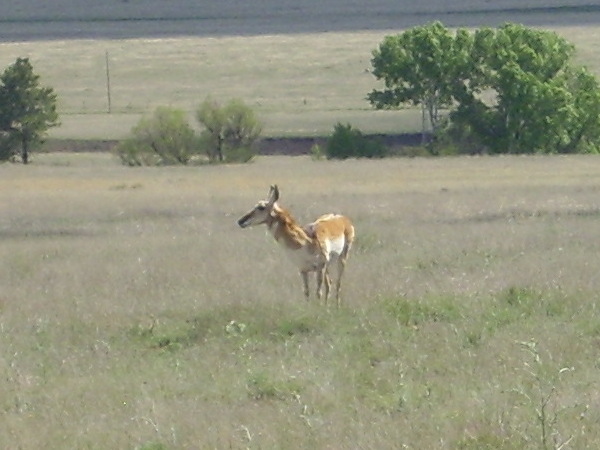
243, 221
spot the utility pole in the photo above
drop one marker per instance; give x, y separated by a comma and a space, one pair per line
108, 84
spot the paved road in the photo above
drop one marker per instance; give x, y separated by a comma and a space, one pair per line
64, 19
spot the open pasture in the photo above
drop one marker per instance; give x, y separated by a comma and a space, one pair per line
135, 313
299, 84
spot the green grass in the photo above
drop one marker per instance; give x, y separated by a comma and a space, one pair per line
135, 313
303, 92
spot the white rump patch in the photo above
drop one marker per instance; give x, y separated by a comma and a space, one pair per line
336, 245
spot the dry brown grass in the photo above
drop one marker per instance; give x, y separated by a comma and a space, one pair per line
119, 288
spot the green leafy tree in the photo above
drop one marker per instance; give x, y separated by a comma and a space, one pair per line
165, 138
583, 131
421, 67
535, 102
27, 110
509, 89
230, 131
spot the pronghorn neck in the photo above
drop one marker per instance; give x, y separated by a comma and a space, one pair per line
286, 230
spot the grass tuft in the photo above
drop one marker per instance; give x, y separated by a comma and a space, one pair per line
153, 446
415, 312
262, 386
488, 441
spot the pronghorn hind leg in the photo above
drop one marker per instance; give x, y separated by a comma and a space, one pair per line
341, 265
323, 279
328, 285
327, 281
305, 284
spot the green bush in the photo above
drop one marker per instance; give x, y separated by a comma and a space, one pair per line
165, 138
230, 131
348, 142
455, 138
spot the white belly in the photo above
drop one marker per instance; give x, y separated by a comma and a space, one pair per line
307, 261
304, 260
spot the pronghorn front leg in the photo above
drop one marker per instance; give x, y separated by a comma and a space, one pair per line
304, 274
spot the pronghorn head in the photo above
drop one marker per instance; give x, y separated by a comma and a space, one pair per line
261, 212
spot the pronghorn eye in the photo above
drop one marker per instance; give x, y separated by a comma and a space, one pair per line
261, 207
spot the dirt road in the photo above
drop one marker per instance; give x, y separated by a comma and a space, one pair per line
70, 19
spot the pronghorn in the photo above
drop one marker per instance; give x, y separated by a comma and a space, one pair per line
313, 247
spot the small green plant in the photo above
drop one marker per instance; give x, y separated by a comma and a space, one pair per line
296, 326
153, 446
512, 305
488, 442
234, 328
317, 153
263, 387
542, 397
412, 312
169, 335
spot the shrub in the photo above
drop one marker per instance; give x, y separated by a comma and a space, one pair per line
455, 138
165, 138
316, 152
348, 142
230, 131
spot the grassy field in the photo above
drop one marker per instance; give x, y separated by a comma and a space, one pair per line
300, 84
134, 313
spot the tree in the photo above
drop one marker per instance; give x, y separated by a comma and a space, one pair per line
420, 67
584, 130
165, 138
230, 131
535, 102
27, 110
509, 89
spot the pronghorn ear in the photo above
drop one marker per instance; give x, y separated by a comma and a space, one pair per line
273, 194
